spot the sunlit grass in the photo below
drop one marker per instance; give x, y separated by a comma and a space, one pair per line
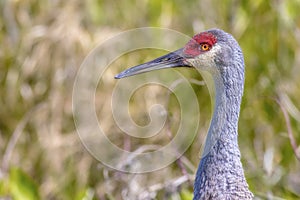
43, 44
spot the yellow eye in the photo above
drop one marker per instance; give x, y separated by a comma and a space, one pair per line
204, 47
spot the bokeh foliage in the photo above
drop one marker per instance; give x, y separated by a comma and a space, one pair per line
42, 46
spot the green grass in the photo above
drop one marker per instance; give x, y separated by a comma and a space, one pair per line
43, 44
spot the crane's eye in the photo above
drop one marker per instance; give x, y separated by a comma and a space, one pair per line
204, 47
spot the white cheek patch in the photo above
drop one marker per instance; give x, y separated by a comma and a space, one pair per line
206, 61
213, 52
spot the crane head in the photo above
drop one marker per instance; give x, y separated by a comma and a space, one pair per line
205, 51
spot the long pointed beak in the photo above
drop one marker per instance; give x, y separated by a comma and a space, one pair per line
174, 59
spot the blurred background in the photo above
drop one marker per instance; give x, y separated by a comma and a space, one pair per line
43, 44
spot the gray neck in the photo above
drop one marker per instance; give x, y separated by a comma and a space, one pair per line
224, 123
220, 173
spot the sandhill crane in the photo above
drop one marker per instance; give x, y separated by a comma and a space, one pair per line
220, 173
